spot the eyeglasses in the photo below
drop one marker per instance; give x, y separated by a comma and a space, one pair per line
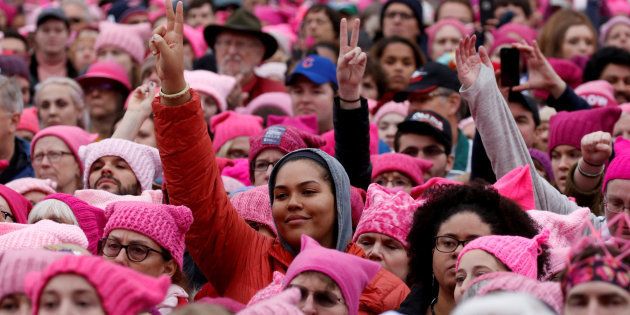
321, 298
53, 156
135, 252
615, 206
263, 165
238, 44
428, 151
403, 15
448, 244
6, 216
395, 181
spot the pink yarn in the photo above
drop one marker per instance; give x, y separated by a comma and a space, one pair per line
16, 264
285, 303
387, 213
598, 93
418, 191
564, 230
101, 198
619, 168
29, 120
517, 185
215, 85
73, 137
283, 138
239, 170
230, 184
105, 70
277, 100
307, 123
40, 234
357, 204
253, 205
519, 254
195, 38
391, 107
121, 289
229, 125
334, 264
28, 184
127, 38
164, 224
271, 290
413, 168
569, 127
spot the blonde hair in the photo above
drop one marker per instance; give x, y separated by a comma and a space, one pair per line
52, 209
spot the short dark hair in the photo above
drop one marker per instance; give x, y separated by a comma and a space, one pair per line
332, 15
503, 215
602, 58
11, 33
523, 4
194, 4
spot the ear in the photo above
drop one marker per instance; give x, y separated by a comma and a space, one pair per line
450, 160
14, 121
170, 268
454, 102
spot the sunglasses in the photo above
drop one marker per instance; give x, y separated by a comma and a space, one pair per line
322, 298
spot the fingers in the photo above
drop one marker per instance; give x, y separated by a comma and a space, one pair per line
522, 87
170, 15
159, 44
179, 18
343, 34
354, 39
537, 51
483, 54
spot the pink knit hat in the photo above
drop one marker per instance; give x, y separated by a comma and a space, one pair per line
334, 264
619, 168
387, 213
569, 127
29, 184
164, 224
357, 204
418, 191
105, 70
91, 219
215, 85
433, 29
306, 123
101, 198
558, 260
29, 120
16, 264
517, 185
518, 253
568, 71
277, 100
285, 303
598, 93
121, 290
272, 289
143, 159
195, 38
253, 205
73, 137
516, 29
564, 229
283, 138
606, 27
391, 107
413, 168
239, 170
548, 292
231, 184
124, 37
39, 234
18, 205
229, 125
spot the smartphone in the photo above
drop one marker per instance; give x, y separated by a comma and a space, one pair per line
486, 11
510, 66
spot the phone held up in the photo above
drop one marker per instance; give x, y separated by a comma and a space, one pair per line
510, 66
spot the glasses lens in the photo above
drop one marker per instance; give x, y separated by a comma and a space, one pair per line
445, 244
111, 248
137, 252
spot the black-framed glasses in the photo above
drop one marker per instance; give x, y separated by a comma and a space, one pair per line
321, 298
448, 244
263, 165
135, 252
53, 156
6, 216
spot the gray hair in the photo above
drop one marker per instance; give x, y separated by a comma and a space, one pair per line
52, 209
10, 95
76, 93
80, 3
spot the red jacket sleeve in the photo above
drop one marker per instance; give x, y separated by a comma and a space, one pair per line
220, 242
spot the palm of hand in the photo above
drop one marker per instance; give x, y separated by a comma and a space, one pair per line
468, 71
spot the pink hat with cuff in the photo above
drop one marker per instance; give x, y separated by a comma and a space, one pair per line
518, 253
101, 198
73, 137
143, 159
121, 290
28, 184
164, 224
598, 93
253, 205
619, 167
387, 213
607, 27
16, 264
215, 85
229, 125
19, 206
568, 128
40, 234
401, 109
306, 123
238, 170
413, 168
283, 138
106, 70
334, 264
127, 38
277, 100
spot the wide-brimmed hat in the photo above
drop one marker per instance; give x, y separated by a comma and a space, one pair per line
242, 21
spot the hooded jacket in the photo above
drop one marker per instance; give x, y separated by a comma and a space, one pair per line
237, 260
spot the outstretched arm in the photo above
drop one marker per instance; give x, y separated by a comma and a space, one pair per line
138, 110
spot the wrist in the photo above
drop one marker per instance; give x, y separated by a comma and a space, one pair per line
557, 87
349, 95
173, 86
590, 167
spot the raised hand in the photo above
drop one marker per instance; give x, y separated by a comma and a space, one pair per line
141, 97
351, 63
596, 148
540, 73
167, 44
469, 61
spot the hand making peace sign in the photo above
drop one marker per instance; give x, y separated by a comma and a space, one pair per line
351, 63
167, 44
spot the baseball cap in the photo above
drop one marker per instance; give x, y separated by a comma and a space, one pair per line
52, 14
317, 69
428, 123
527, 102
428, 78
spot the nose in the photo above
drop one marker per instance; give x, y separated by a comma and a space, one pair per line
375, 253
52, 110
268, 173
294, 202
564, 163
121, 258
308, 307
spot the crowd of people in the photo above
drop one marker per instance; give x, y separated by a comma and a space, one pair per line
314, 157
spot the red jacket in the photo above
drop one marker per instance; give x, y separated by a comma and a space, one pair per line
236, 259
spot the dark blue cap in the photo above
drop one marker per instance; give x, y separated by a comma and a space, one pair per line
317, 69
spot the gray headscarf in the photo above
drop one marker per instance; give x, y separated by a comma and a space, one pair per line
341, 189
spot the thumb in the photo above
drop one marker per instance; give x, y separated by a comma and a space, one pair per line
521, 87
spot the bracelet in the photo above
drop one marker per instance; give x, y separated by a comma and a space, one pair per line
589, 175
590, 164
350, 101
176, 95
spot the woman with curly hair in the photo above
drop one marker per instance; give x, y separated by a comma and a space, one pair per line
458, 214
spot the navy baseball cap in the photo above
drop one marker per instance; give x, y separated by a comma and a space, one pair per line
428, 123
52, 14
428, 78
317, 69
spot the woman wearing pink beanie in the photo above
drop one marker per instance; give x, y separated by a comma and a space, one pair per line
383, 228
232, 132
615, 32
254, 207
399, 171
33, 189
104, 288
444, 36
152, 236
54, 154
387, 118
13, 207
213, 88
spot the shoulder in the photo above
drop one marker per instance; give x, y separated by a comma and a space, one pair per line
384, 292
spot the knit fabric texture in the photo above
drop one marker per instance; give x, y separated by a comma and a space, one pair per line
91, 219
517, 185
123, 37
387, 213
518, 253
164, 224
564, 230
28, 184
18, 205
29, 120
411, 167
212, 84
40, 234
229, 125
283, 138
277, 100
598, 93
143, 159
568, 128
305, 123
392, 107
73, 137
253, 205
101, 198
121, 289
16, 264
619, 168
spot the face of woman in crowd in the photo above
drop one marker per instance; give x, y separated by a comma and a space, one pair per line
387, 127
109, 52
562, 159
101, 100
368, 88
398, 64
579, 40
312, 99
387, 251
69, 294
55, 106
597, 297
446, 40
263, 165
153, 265
237, 148
399, 20
319, 294
52, 159
304, 204
394, 180
473, 264
318, 26
463, 227
15, 304
619, 36
542, 136
455, 10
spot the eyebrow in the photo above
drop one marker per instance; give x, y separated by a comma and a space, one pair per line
300, 184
